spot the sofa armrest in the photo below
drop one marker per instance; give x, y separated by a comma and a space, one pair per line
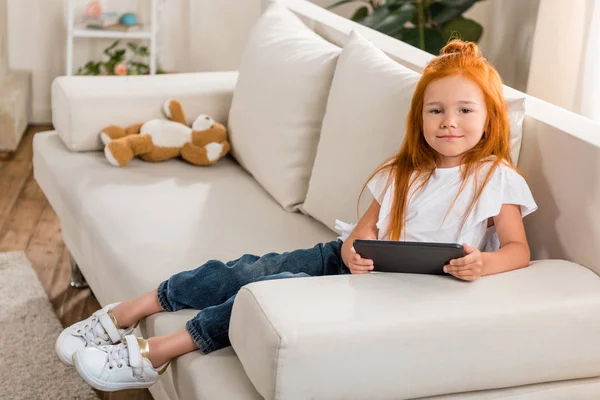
82, 106
404, 336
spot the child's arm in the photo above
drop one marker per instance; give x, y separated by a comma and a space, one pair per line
366, 228
513, 252
514, 249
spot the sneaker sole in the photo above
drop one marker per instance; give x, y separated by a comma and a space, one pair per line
60, 354
99, 385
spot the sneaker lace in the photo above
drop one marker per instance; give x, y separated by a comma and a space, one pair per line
118, 355
93, 332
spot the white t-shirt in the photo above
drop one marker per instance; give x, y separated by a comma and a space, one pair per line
427, 207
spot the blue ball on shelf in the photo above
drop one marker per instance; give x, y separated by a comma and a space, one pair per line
128, 19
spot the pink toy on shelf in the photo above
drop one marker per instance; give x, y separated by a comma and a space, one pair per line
93, 9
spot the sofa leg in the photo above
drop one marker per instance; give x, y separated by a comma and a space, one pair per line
77, 279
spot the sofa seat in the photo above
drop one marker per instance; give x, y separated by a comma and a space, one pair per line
407, 336
137, 225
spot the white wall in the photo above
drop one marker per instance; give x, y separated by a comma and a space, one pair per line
206, 35
201, 35
3, 41
507, 40
35, 35
558, 54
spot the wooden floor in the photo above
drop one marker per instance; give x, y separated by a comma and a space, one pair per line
28, 223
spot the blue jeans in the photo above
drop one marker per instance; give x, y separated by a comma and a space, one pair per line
212, 287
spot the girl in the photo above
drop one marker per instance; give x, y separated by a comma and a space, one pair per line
451, 180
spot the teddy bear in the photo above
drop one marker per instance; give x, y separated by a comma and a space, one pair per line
204, 143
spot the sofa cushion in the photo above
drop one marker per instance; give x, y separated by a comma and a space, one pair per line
82, 106
406, 336
365, 123
279, 103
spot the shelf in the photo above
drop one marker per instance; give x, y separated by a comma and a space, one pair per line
108, 34
76, 28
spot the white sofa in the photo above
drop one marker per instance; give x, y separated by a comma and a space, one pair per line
533, 333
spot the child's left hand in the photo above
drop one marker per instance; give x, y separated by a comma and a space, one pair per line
469, 267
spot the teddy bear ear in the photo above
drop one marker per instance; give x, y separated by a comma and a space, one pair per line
202, 123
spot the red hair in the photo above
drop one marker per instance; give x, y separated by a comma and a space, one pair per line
415, 155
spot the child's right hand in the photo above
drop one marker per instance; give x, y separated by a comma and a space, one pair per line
356, 264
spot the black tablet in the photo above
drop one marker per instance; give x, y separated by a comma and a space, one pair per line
408, 257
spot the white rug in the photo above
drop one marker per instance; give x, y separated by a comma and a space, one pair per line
29, 368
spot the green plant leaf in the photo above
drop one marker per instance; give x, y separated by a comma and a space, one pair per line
467, 29
114, 44
435, 8
376, 16
107, 51
119, 55
449, 12
360, 13
92, 68
340, 2
395, 21
109, 66
393, 5
433, 39
458, 3
116, 56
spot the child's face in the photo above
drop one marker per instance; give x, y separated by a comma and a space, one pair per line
454, 116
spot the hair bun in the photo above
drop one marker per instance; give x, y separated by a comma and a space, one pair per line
469, 49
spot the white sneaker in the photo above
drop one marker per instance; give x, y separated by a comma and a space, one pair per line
98, 330
122, 366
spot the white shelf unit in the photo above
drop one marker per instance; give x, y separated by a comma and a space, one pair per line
148, 32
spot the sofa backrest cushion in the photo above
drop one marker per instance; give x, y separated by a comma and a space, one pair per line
364, 125
279, 103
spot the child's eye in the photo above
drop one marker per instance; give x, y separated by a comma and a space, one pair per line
435, 111
465, 110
